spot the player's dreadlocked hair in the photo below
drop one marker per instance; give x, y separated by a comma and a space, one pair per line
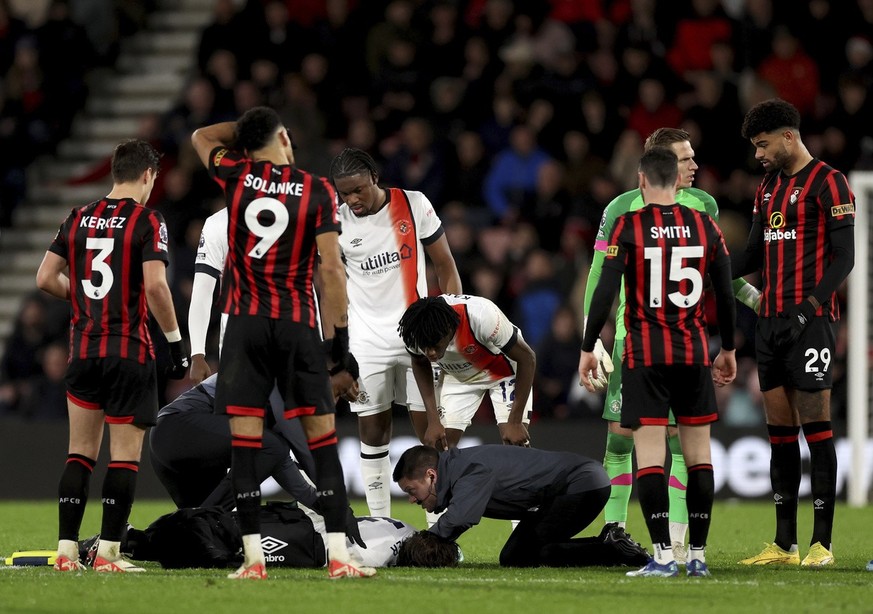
427, 321
256, 127
769, 116
664, 137
351, 162
427, 549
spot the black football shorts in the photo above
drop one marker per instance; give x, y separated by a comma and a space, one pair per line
805, 364
650, 392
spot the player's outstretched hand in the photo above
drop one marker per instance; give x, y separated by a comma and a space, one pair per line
199, 369
179, 361
724, 367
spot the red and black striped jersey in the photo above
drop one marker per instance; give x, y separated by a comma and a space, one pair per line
105, 244
797, 215
274, 213
665, 252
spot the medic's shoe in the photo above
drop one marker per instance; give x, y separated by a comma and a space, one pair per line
118, 565
256, 571
348, 569
773, 555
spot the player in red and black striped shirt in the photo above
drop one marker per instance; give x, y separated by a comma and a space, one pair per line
279, 219
109, 260
802, 240
665, 251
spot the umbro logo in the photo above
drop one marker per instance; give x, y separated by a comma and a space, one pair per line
357, 242
818, 504
271, 544
766, 197
377, 485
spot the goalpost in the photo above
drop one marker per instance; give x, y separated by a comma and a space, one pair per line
859, 343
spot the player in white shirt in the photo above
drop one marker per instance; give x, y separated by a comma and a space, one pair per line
480, 352
382, 536
211, 254
385, 235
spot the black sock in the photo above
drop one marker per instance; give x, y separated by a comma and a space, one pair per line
652, 489
73, 495
247, 488
119, 487
785, 479
823, 462
329, 483
701, 490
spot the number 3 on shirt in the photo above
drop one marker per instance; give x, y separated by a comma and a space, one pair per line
99, 265
677, 274
269, 234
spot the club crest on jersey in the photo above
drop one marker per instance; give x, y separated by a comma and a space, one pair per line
163, 237
402, 226
795, 195
470, 349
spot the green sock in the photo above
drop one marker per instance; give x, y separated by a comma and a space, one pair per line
677, 483
618, 463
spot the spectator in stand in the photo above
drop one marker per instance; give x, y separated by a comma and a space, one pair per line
513, 176
791, 71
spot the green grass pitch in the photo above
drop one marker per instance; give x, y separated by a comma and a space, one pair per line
479, 585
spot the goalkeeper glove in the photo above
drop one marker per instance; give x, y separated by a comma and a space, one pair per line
604, 366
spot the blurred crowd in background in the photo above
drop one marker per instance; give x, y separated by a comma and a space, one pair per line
519, 119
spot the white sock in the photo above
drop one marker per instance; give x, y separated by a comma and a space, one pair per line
69, 549
336, 547
376, 471
432, 517
678, 530
514, 523
252, 549
697, 554
662, 555
622, 524
111, 551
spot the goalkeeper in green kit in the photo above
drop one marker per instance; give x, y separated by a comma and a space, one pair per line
619, 440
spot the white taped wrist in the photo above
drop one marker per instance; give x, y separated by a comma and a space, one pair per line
748, 295
173, 336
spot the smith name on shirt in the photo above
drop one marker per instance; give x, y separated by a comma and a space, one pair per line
670, 232
268, 187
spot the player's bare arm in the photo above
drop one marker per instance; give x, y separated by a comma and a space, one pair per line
514, 432
444, 264
52, 278
208, 138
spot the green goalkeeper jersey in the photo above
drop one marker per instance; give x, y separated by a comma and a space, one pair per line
692, 198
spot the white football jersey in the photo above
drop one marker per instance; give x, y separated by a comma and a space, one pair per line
211, 254
475, 353
383, 537
384, 255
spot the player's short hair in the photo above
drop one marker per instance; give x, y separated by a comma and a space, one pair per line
351, 162
427, 549
427, 321
132, 158
660, 166
664, 137
256, 127
413, 463
770, 116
